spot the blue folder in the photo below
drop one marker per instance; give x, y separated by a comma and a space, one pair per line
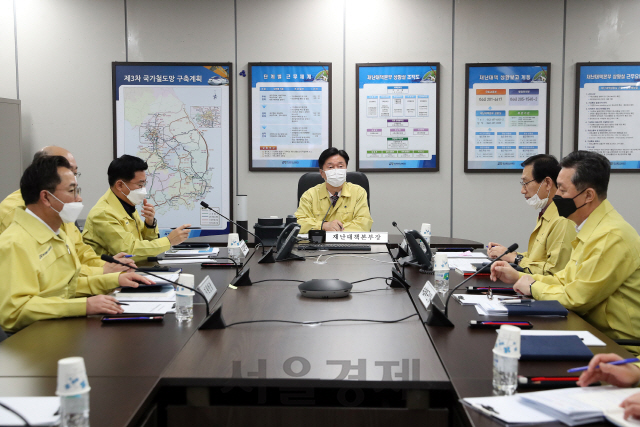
553, 347
537, 308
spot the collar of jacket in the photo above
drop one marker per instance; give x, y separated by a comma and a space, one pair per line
115, 203
35, 228
594, 220
346, 190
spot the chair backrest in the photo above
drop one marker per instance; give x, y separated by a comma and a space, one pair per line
311, 179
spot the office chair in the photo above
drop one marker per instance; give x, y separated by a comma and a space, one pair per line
311, 179
3, 335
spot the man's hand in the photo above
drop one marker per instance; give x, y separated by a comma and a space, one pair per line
132, 280
112, 267
148, 212
494, 250
523, 285
179, 235
103, 304
618, 375
334, 225
501, 270
631, 406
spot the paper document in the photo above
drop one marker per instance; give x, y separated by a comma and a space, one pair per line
39, 411
508, 409
146, 307
587, 337
191, 252
165, 277
466, 264
466, 254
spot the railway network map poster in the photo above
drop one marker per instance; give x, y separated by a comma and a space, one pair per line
177, 117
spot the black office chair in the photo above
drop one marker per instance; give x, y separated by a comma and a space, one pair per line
311, 179
3, 335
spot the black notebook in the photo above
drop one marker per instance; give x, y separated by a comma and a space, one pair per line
537, 308
553, 347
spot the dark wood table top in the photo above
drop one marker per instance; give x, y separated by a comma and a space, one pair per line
320, 351
113, 401
437, 242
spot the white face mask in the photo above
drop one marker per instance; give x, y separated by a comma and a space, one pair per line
136, 196
336, 177
536, 202
70, 211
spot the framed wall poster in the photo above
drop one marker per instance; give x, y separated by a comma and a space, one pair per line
290, 115
177, 117
506, 115
606, 112
397, 117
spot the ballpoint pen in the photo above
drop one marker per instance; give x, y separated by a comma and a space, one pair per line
617, 362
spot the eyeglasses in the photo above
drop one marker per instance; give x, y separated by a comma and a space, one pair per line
524, 184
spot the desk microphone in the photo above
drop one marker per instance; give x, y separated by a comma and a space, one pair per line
437, 317
211, 321
401, 252
325, 215
206, 206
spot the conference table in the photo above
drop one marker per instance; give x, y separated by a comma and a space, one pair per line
347, 372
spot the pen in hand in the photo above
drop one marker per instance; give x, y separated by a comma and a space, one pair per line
617, 362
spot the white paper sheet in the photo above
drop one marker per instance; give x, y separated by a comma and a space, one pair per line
587, 337
145, 307
39, 411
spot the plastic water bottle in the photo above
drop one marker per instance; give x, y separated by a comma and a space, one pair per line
74, 410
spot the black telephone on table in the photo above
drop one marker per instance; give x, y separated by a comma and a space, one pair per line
285, 242
418, 256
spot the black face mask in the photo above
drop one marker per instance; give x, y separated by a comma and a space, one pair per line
566, 206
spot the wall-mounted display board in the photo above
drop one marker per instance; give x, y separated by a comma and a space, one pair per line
397, 117
507, 115
608, 112
177, 117
290, 115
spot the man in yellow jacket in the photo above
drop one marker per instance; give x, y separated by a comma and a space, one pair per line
39, 262
550, 243
344, 204
91, 263
114, 225
601, 281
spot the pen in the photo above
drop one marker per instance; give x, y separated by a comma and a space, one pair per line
489, 322
557, 381
516, 301
121, 303
617, 362
129, 256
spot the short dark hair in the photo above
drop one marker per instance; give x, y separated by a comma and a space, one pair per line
125, 168
591, 170
42, 174
544, 165
330, 152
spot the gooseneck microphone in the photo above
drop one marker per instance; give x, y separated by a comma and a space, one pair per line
206, 206
395, 224
325, 215
510, 249
210, 321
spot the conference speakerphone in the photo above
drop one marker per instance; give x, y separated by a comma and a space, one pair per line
335, 247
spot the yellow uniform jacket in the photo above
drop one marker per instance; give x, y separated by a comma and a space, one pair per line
91, 263
601, 281
110, 230
550, 243
351, 208
42, 275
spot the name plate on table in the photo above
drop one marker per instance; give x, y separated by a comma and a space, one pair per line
427, 294
357, 237
207, 288
238, 247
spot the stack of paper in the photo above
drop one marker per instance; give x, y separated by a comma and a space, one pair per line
484, 305
148, 302
39, 411
572, 406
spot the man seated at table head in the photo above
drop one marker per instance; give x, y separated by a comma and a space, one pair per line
601, 281
91, 263
40, 267
550, 243
114, 225
344, 203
